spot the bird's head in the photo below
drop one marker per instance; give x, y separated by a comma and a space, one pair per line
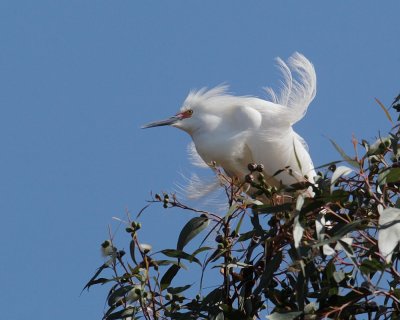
200, 110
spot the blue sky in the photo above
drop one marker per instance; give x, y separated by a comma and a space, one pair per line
77, 80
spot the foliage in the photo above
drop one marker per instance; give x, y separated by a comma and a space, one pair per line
288, 255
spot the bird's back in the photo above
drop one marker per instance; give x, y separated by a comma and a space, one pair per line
260, 131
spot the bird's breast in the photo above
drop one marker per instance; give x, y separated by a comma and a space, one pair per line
229, 152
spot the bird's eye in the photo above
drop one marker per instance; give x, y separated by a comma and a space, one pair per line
189, 112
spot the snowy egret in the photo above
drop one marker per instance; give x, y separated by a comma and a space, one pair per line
234, 131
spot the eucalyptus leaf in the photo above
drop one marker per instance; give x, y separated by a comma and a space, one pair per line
389, 175
389, 232
284, 316
169, 276
191, 230
340, 171
181, 255
349, 160
177, 290
339, 276
118, 295
371, 266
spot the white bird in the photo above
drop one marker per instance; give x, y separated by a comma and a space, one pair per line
234, 131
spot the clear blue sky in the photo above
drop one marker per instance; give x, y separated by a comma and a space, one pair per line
78, 78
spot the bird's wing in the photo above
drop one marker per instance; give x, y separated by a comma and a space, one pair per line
299, 86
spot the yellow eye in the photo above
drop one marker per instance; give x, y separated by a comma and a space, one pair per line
189, 112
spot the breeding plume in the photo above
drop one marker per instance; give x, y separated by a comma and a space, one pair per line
233, 131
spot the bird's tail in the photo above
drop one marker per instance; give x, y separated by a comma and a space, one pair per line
299, 86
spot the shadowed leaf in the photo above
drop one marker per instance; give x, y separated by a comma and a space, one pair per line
168, 276
190, 230
116, 296
181, 255
389, 176
268, 274
284, 316
177, 290
93, 279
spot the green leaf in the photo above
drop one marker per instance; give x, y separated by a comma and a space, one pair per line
177, 290
237, 229
384, 110
168, 276
328, 164
231, 210
214, 297
340, 171
116, 296
297, 157
273, 209
349, 160
129, 312
389, 175
170, 262
339, 276
199, 250
191, 229
340, 231
132, 251
92, 281
181, 255
219, 316
247, 235
338, 195
371, 266
269, 270
284, 316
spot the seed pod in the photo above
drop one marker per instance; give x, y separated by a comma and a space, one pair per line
260, 168
249, 178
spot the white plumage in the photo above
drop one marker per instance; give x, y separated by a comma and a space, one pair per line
233, 131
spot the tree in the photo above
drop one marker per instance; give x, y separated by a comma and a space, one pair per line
331, 256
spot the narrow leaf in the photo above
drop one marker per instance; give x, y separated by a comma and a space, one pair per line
132, 251
118, 294
168, 276
269, 270
190, 230
371, 266
297, 157
273, 209
177, 290
93, 279
349, 160
284, 316
339, 276
122, 314
340, 171
385, 110
199, 250
181, 255
389, 176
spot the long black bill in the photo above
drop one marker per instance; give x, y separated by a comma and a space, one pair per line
166, 122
